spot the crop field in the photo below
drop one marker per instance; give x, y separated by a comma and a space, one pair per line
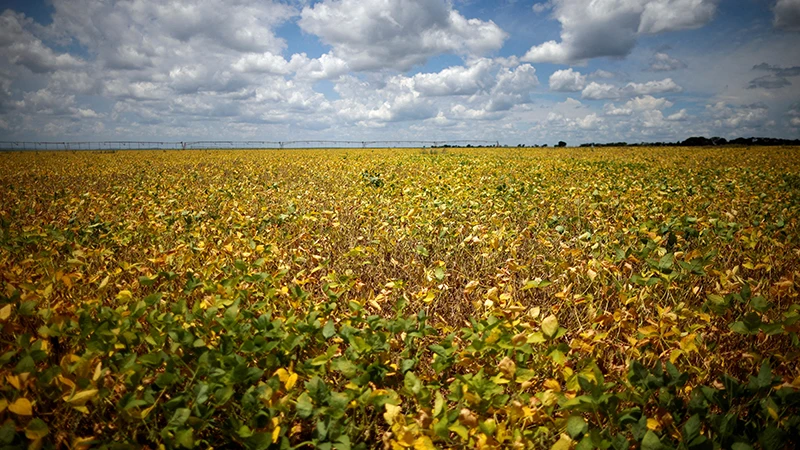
408, 298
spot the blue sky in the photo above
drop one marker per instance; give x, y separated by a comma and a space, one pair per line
511, 71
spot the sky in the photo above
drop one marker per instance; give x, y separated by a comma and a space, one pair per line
513, 71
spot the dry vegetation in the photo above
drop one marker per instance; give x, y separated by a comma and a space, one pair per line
401, 298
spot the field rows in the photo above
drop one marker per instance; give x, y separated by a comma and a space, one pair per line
401, 298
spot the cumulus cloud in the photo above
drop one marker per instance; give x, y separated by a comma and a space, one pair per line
679, 116
643, 103
376, 34
787, 15
589, 122
653, 87
567, 81
601, 91
513, 88
19, 46
457, 80
591, 29
733, 116
662, 62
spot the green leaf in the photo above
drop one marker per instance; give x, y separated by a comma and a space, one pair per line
771, 439
576, 426
7, 432
739, 327
765, 375
760, 304
691, 429
329, 330
741, 446
343, 365
304, 406
651, 441
36, 429
179, 417
665, 263
185, 437
412, 383
148, 281
231, 313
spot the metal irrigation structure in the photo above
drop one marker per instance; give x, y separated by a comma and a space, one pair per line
214, 145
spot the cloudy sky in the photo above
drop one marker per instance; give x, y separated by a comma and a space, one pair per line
510, 70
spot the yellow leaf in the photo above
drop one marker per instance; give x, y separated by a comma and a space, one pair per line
282, 374
290, 381
550, 326
552, 384
688, 343
471, 286
564, 443
5, 312
146, 412
124, 295
98, 371
21, 407
653, 424
3, 404
81, 397
276, 434
423, 443
391, 413
104, 283
81, 443
14, 381
66, 381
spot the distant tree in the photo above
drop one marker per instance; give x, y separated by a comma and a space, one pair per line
561, 144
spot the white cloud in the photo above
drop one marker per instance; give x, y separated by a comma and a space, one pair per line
611, 110
589, 122
513, 87
787, 14
600, 73
542, 6
457, 80
731, 116
662, 62
266, 62
678, 116
380, 34
599, 91
326, 66
596, 28
670, 15
652, 87
567, 81
643, 103
21, 47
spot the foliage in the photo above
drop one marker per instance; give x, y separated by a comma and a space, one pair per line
604, 298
